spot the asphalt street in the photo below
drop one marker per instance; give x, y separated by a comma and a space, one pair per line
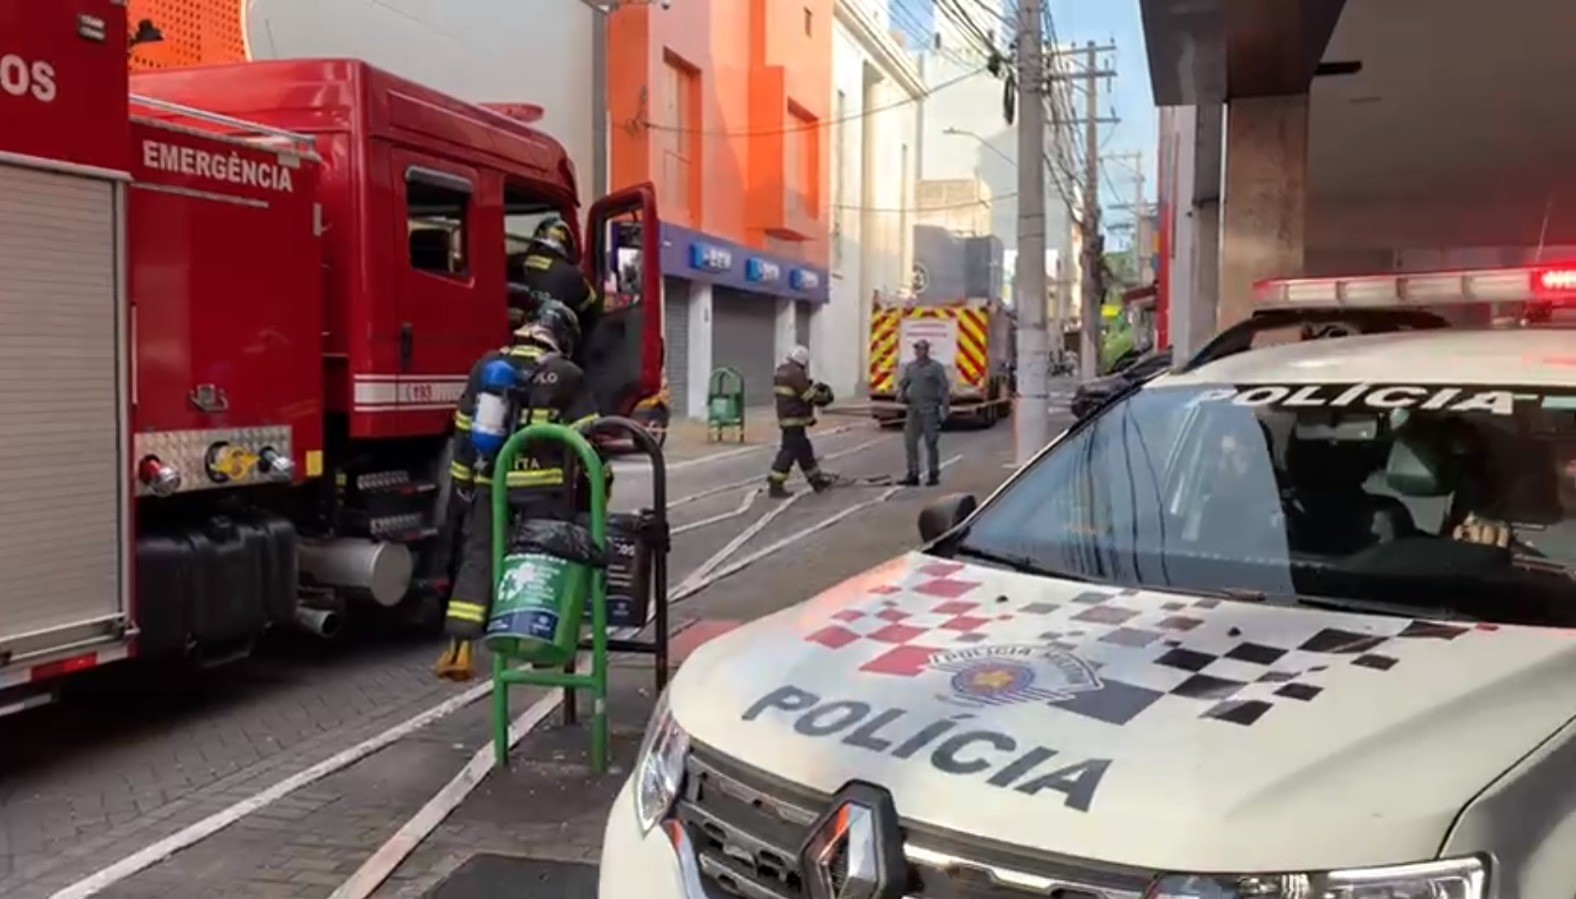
135, 755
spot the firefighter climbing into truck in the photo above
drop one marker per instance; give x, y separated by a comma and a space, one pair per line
550, 272
304, 479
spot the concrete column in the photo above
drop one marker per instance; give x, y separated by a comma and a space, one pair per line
699, 347
1265, 198
1194, 277
785, 341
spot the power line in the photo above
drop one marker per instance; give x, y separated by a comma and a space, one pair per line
822, 123
911, 210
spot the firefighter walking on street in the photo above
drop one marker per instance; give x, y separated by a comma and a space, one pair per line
926, 395
797, 398
544, 482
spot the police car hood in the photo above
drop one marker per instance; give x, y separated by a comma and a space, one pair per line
1159, 730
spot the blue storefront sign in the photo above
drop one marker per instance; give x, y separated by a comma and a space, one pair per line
691, 254
710, 257
762, 271
803, 279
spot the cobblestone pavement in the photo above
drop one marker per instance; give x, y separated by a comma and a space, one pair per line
135, 755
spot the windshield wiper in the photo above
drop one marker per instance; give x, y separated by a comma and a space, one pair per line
1338, 603
1019, 563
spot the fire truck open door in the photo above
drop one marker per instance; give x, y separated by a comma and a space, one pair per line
624, 262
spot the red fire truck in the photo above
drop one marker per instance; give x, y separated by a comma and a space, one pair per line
236, 308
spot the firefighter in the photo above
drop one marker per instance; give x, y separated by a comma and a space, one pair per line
551, 273
797, 399
543, 483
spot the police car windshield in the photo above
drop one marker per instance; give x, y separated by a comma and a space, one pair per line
1457, 498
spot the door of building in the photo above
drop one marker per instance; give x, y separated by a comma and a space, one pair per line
744, 338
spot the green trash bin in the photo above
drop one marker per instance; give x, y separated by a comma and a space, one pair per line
724, 403
542, 588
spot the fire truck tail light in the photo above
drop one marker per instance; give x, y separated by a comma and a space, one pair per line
51, 670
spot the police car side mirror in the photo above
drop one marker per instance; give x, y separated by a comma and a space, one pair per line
945, 514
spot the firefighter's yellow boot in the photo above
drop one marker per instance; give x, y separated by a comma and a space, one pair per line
456, 663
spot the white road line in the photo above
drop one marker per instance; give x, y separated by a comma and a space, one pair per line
218, 821
744, 506
699, 581
376, 869
637, 464
743, 537
724, 488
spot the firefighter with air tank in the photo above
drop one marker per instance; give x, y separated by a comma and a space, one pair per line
531, 381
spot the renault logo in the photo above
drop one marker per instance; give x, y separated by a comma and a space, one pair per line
855, 849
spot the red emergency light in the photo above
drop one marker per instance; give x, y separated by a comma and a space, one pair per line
1556, 281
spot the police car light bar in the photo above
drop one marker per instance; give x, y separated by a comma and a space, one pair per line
1420, 289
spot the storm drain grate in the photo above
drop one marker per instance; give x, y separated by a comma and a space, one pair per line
516, 877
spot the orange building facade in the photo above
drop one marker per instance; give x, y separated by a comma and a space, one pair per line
724, 105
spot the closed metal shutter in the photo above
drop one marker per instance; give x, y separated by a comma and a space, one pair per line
60, 415
743, 337
801, 324
675, 327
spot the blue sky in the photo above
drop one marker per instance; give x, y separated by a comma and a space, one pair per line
1104, 22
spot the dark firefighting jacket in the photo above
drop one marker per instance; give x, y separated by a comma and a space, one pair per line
537, 482
795, 394
545, 275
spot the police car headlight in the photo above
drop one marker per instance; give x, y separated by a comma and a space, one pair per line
1461, 878
659, 771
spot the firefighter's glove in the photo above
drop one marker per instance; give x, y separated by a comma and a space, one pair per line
1482, 531
456, 664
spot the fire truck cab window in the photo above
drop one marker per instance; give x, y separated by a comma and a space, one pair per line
438, 209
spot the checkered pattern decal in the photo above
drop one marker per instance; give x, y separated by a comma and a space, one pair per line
1174, 652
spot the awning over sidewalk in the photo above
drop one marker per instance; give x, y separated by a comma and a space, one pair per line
1209, 51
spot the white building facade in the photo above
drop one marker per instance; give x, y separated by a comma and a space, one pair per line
877, 110
484, 51
966, 136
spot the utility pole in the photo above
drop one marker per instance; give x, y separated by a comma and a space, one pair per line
1089, 343
1032, 416
1139, 208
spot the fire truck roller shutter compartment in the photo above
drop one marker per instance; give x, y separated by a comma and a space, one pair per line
62, 534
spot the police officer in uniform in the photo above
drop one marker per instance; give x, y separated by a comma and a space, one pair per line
797, 399
925, 393
544, 482
550, 271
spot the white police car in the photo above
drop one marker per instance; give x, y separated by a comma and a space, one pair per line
1294, 622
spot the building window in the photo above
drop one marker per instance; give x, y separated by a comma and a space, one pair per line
437, 207
679, 191
839, 178
800, 165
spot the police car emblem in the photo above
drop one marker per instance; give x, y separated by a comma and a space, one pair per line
1006, 675
855, 849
